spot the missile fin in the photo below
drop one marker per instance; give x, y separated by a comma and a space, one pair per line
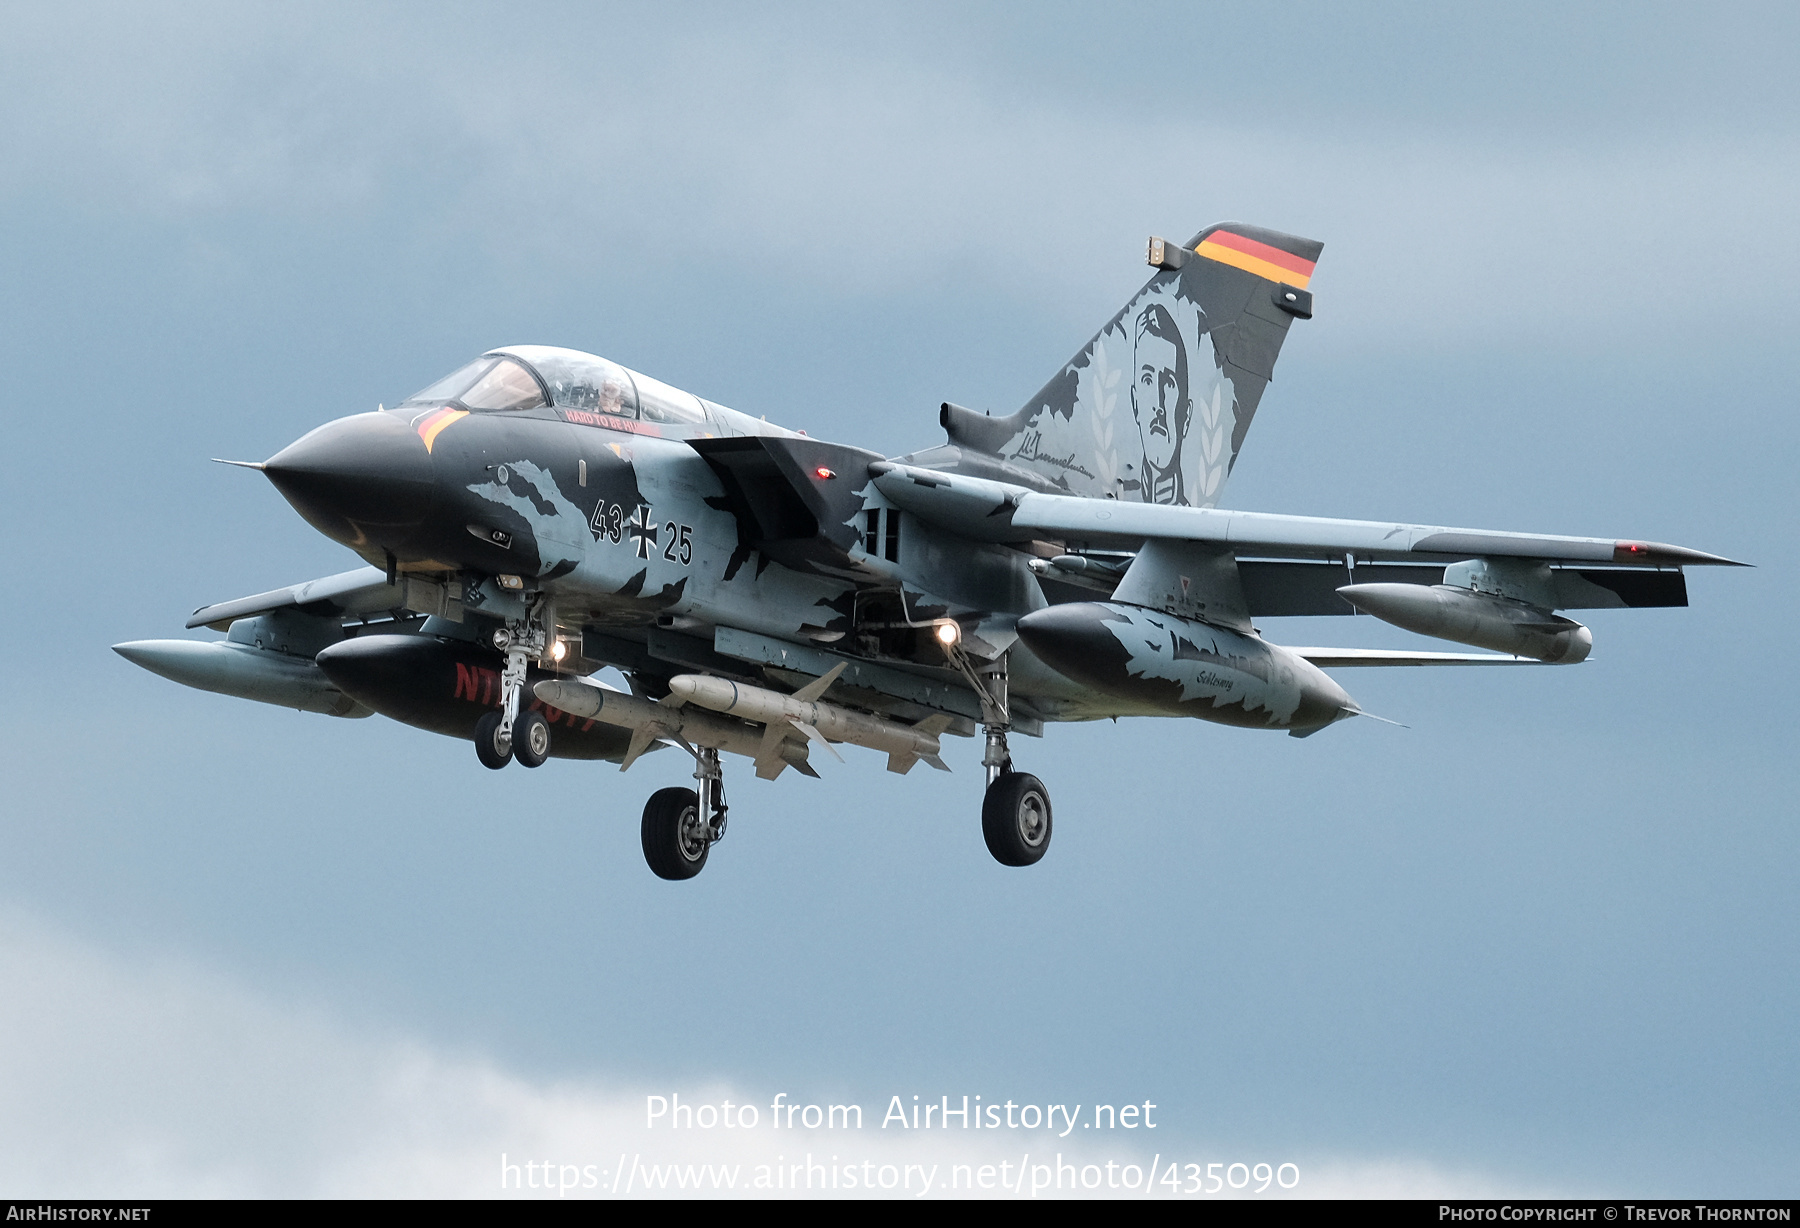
937, 763
816, 736
642, 739
900, 763
819, 685
769, 760
934, 725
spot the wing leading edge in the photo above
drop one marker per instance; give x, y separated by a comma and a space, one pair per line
997, 511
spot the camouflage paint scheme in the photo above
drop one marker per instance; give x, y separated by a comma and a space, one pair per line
668, 535
1166, 665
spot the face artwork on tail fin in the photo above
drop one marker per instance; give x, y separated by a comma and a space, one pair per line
1136, 415
1163, 408
1155, 408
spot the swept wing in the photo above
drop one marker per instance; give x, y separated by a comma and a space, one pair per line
999, 512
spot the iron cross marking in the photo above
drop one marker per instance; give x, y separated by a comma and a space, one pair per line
643, 530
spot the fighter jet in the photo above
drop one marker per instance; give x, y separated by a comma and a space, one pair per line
542, 513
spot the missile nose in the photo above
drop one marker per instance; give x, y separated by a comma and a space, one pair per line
714, 693
367, 472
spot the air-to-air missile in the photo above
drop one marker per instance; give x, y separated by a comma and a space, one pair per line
1484, 620
820, 721
650, 721
753, 721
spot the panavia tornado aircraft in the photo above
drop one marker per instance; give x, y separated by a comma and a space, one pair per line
542, 513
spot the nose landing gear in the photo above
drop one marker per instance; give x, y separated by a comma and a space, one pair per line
493, 741
501, 737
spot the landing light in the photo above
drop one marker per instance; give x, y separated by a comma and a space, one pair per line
558, 651
948, 634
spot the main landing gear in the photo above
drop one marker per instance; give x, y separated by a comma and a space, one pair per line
508, 734
1015, 819
1015, 812
681, 825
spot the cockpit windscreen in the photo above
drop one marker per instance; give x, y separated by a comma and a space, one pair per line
490, 382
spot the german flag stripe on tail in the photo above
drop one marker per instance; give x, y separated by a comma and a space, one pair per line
1258, 258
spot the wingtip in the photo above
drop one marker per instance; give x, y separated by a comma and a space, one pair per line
1662, 554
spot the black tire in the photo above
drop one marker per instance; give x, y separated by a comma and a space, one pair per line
674, 832
531, 739
492, 745
1015, 819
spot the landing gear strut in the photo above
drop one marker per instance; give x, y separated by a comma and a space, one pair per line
1015, 812
681, 825
501, 737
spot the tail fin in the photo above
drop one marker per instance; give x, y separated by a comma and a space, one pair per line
1147, 411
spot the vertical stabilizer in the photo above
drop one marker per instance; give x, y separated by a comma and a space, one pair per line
1155, 407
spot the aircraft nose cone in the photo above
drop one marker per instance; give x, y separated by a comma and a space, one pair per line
356, 477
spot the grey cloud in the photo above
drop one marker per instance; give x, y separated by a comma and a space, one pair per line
144, 1076
815, 158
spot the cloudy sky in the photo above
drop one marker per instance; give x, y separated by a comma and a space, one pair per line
1542, 940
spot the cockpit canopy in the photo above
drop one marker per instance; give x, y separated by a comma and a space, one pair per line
490, 382
531, 376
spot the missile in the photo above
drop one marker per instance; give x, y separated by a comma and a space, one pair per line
248, 672
821, 722
1469, 617
1080, 570
649, 721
